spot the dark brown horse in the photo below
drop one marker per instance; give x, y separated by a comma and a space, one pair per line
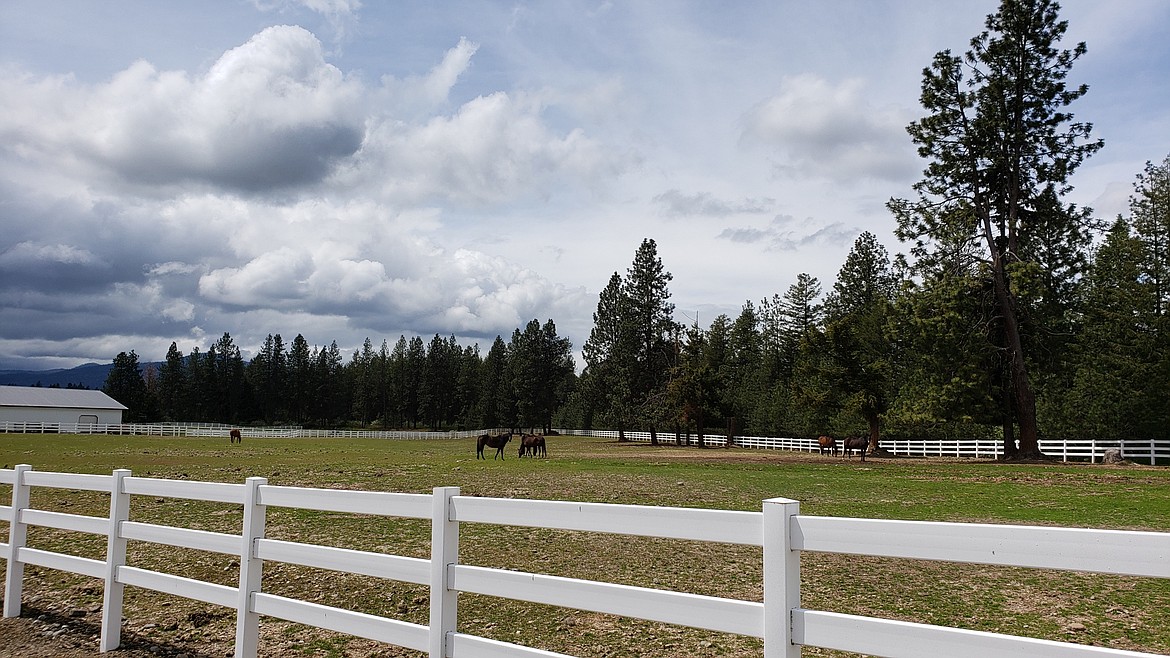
498, 442
860, 444
234, 436
532, 444
827, 443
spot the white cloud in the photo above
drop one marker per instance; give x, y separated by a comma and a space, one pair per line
269, 114
494, 149
416, 98
831, 131
28, 254
178, 310
444, 76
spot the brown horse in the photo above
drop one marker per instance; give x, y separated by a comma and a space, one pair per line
498, 442
827, 443
532, 444
234, 436
857, 443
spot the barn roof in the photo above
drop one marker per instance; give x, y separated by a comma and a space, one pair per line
69, 398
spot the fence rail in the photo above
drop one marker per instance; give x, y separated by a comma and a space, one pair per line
208, 430
1152, 451
779, 529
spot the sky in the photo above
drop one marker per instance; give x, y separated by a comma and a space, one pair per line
347, 170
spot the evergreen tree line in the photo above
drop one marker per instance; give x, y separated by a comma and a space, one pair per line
899, 350
440, 385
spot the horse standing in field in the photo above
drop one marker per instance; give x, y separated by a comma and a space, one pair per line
532, 444
234, 436
827, 443
498, 442
855, 443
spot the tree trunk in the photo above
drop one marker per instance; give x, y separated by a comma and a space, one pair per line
871, 418
1024, 400
1008, 422
653, 436
730, 432
622, 434
1009, 438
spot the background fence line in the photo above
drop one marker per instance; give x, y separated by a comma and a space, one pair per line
218, 430
779, 528
1151, 451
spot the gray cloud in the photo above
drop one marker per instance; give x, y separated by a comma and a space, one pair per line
675, 203
786, 233
268, 114
272, 193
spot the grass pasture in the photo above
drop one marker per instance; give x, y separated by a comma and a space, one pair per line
1126, 613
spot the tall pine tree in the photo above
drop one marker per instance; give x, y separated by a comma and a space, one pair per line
1000, 143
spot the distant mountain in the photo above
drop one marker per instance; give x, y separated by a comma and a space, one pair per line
89, 375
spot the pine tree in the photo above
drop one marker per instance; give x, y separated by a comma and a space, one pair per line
173, 386
1000, 146
856, 344
608, 354
744, 370
1149, 209
414, 366
649, 310
493, 383
124, 383
300, 379
1113, 395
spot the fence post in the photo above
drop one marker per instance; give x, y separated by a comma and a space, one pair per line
1153, 454
251, 570
17, 538
781, 578
444, 555
111, 635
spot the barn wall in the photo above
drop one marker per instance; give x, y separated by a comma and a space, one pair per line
67, 415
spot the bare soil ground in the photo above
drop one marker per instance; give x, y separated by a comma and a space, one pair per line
41, 633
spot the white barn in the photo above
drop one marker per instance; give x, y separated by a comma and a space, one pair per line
29, 404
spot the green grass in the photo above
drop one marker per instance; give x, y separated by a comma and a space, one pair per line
1103, 610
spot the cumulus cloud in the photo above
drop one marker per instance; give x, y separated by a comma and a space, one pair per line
416, 98
831, 131
493, 149
437, 85
269, 188
465, 292
269, 114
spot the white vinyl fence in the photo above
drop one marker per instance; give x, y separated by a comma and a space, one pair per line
1139, 450
216, 430
779, 528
